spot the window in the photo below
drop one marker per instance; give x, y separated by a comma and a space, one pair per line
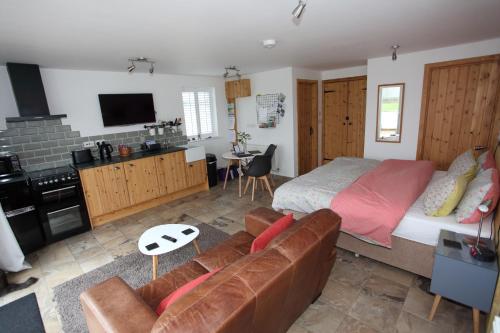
199, 113
390, 112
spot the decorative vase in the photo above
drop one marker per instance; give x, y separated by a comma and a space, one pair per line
244, 146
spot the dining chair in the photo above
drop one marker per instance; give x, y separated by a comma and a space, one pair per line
259, 168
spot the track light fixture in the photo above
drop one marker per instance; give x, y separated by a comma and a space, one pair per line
132, 62
395, 47
297, 12
228, 74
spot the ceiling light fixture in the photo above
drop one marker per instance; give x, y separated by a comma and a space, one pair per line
297, 12
234, 69
395, 47
145, 60
269, 43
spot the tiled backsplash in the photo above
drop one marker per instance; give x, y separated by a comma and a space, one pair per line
43, 144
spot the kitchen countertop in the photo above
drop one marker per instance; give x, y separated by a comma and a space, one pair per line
131, 157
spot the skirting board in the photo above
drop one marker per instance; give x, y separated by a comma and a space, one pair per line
405, 254
103, 219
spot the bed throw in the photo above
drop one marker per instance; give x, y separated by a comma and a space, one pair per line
372, 207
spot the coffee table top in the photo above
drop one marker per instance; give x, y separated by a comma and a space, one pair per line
154, 235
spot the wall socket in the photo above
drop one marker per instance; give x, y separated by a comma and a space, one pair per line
88, 144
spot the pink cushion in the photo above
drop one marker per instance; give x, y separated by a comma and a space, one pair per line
489, 161
485, 187
167, 301
272, 231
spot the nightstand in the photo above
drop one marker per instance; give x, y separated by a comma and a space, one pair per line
459, 277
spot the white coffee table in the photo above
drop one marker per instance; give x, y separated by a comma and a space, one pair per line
154, 235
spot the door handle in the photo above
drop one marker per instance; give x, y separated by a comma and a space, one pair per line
311, 131
350, 123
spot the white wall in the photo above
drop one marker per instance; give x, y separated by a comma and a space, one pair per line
344, 72
75, 93
409, 68
275, 81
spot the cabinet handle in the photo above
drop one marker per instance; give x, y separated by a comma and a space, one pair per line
131, 164
162, 159
117, 168
350, 123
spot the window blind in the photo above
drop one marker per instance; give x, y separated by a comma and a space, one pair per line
198, 112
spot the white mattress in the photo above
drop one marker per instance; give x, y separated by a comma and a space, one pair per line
418, 227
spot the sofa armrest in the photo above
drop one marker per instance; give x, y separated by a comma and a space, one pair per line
257, 220
112, 306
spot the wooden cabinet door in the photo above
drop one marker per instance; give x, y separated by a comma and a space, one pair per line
460, 108
196, 173
105, 189
334, 120
244, 88
356, 118
142, 183
230, 91
171, 171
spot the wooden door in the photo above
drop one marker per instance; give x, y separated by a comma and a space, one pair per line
356, 118
171, 172
142, 183
196, 173
307, 124
459, 108
105, 189
334, 120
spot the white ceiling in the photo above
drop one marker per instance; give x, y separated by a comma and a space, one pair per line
204, 36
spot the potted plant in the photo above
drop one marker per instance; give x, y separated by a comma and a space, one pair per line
243, 138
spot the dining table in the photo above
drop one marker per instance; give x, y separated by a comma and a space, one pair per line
233, 159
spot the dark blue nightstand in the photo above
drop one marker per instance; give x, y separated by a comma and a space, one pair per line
459, 277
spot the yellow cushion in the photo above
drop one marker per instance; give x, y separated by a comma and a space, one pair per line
444, 195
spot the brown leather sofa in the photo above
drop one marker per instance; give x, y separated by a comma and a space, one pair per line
261, 292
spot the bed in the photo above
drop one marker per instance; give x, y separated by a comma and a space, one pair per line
414, 238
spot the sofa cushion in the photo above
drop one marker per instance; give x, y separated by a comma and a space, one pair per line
174, 296
156, 290
271, 232
227, 252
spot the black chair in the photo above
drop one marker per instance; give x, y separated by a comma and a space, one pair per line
260, 168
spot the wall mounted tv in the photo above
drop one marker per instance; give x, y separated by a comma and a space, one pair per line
127, 109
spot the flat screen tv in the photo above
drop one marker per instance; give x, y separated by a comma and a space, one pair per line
127, 109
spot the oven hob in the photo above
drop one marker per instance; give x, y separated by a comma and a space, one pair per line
59, 200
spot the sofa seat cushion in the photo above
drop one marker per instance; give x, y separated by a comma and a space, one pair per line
226, 252
155, 291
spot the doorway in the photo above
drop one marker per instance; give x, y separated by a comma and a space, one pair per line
307, 124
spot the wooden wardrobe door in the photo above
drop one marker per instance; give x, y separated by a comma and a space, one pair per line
307, 124
334, 120
458, 108
356, 122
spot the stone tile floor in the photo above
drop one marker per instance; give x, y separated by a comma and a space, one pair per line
361, 295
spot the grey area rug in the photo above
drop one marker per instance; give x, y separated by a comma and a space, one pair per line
135, 269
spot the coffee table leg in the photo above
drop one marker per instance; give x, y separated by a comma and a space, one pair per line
196, 246
155, 267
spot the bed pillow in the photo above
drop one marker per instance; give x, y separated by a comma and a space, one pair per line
464, 164
443, 195
481, 189
486, 160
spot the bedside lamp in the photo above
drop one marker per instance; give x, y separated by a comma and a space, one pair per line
479, 251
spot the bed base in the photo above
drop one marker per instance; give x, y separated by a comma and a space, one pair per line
405, 254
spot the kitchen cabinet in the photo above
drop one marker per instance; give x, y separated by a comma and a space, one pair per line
171, 172
105, 189
238, 88
196, 173
142, 183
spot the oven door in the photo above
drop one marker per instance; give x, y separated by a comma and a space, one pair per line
62, 213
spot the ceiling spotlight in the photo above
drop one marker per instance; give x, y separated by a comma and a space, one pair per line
131, 67
395, 47
297, 12
269, 43
151, 68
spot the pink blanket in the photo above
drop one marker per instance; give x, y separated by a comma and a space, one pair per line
372, 207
